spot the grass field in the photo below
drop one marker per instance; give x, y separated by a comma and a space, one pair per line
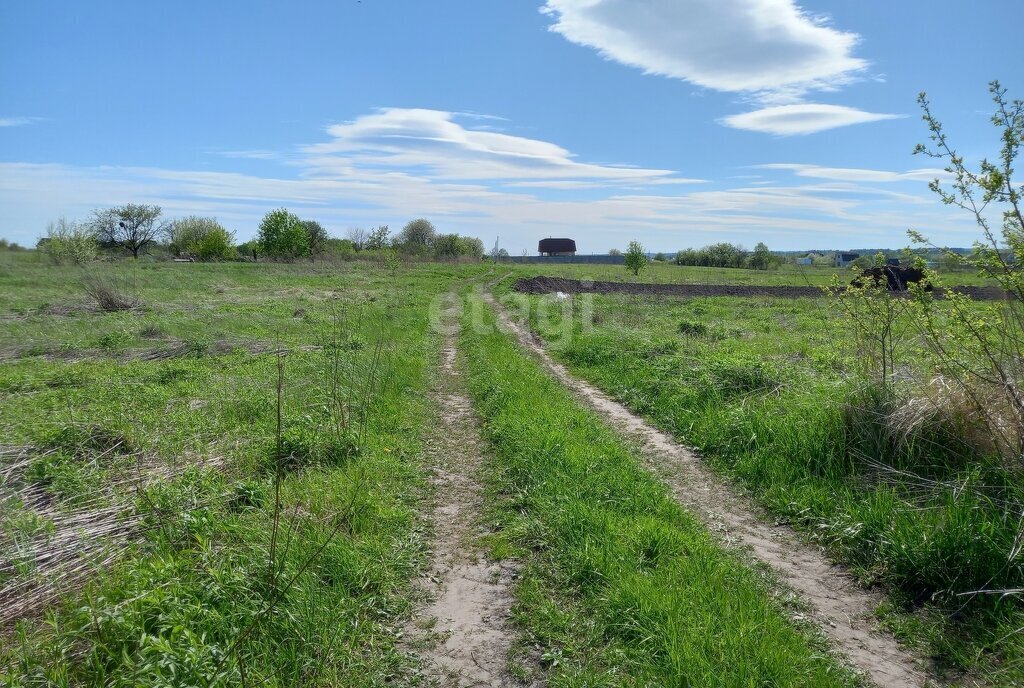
774, 394
183, 393
226, 482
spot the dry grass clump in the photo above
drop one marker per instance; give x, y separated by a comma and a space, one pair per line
111, 294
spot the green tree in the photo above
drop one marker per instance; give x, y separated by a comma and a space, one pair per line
761, 258
377, 239
417, 236
316, 237
282, 235
636, 258
200, 237
132, 227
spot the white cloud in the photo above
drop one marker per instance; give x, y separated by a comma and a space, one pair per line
434, 143
16, 121
768, 47
849, 174
393, 165
802, 118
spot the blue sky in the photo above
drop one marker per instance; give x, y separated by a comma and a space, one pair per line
677, 123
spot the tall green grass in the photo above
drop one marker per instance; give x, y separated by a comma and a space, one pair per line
197, 600
769, 394
621, 586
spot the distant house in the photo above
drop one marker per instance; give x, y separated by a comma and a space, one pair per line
806, 260
845, 260
556, 247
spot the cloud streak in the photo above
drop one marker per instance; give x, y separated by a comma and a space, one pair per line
802, 118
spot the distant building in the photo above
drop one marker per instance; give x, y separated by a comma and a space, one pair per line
806, 260
845, 260
556, 247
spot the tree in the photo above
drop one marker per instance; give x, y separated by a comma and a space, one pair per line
132, 227
250, 249
67, 241
417, 236
660, 257
200, 237
282, 235
636, 258
980, 347
614, 252
377, 239
358, 236
761, 258
316, 237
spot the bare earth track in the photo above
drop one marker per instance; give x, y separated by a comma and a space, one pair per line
550, 285
841, 608
471, 597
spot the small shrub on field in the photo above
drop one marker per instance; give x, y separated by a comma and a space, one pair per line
169, 373
111, 294
247, 494
693, 328
116, 340
734, 377
303, 444
63, 475
88, 441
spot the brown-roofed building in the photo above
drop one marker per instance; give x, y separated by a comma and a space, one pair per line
557, 247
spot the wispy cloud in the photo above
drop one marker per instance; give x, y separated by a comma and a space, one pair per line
395, 164
802, 118
853, 174
17, 121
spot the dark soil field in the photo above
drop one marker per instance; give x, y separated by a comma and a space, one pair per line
550, 285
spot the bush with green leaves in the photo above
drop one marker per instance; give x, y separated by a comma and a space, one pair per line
283, 235
636, 258
67, 241
416, 237
201, 237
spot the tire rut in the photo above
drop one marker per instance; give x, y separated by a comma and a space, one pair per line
841, 607
465, 628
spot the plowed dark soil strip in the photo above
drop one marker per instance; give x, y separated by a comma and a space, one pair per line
550, 285
842, 609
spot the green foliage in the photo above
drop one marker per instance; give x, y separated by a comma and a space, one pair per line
762, 258
282, 235
202, 238
451, 246
636, 258
720, 255
416, 237
69, 242
316, 237
980, 348
378, 239
131, 227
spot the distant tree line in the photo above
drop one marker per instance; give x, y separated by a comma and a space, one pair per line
726, 255
282, 236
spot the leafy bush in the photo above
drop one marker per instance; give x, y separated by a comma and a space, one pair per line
283, 235
201, 237
69, 242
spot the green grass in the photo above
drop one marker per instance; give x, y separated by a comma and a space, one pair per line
193, 600
773, 394
621, 586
